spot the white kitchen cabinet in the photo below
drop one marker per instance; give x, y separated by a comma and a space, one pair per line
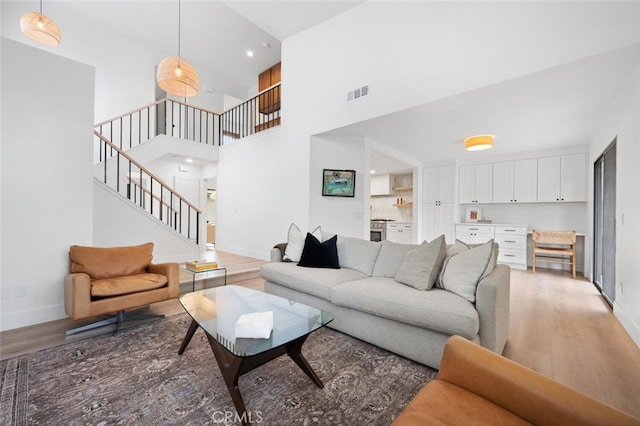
437, 219
512, 242
562, 178
382, 185
474, 234
439, 202
475, 184
438, 184
515, 181
511, 239
400, 233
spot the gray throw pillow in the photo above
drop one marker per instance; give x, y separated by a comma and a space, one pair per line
422, 265
390, 258
462, 271
358, 254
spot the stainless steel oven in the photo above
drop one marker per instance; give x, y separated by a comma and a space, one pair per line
378, 229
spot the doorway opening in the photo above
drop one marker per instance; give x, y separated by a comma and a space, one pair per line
211, 218
604, 223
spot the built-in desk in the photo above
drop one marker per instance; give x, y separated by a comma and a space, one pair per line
511, 238
515, 244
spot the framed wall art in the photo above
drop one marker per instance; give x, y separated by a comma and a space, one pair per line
473, 215
338, 183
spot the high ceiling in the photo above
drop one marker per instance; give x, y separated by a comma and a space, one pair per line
559, 106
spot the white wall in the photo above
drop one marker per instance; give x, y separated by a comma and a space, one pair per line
47, 127
391, 49
339, 215
117, 222
263, 184
624, 123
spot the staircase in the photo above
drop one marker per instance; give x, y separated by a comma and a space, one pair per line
120, 172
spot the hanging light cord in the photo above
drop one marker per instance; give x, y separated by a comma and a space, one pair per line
179, 19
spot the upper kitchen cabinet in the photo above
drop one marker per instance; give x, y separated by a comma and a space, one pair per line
515, 181
562, 178
269, 102
382, 185
475, 184
438, 184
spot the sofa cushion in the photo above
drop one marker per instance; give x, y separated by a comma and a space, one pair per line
438, 310
390, 258
295, 242
421, 266
317, 282
318, 254
107, 262
358, 254
117, 286
462, 271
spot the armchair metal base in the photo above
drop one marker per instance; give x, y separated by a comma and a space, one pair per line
119, 318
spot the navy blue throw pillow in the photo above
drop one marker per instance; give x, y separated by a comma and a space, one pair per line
318, 254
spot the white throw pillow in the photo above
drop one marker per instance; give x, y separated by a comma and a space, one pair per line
421, 265
462, 271
295, 242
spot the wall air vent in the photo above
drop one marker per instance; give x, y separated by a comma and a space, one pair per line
358, 93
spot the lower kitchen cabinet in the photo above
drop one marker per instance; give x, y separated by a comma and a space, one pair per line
511, 239
400, 233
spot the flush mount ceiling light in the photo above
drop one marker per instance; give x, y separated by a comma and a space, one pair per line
40, 28
175, 75
478, 142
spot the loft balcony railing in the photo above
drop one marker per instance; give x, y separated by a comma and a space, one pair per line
164, 117
255, 115
130, 179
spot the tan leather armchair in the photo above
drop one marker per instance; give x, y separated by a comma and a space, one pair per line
479, 387
104, 280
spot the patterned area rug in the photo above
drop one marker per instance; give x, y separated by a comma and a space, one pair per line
137, 377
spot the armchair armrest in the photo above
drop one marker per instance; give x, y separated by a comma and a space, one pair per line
77, 295
520, 390
170, 270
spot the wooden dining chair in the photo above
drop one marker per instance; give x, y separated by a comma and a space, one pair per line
554, 247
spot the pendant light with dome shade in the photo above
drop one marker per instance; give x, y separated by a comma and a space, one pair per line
40, 28
175, 75
479, 142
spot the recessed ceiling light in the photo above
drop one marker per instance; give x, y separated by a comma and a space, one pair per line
250, 53
189, 160
373, 172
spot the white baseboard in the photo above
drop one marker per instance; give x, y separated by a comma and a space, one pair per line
628, 324
31, 317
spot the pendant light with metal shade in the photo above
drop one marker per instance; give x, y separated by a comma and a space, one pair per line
175, 75
40, 28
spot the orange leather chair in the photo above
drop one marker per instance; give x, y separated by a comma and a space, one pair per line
104, 280
478, 387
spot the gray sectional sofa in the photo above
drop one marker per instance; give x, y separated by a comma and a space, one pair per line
369, 304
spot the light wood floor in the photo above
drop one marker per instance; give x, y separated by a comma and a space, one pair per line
560, 327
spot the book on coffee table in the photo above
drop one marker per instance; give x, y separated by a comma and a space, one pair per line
201, 265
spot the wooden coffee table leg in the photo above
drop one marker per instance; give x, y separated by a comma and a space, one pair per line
231, 369
187, 338
294, 350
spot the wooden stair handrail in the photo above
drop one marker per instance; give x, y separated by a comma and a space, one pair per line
141, 167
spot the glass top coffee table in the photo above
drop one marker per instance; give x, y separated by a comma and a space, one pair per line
217, 310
